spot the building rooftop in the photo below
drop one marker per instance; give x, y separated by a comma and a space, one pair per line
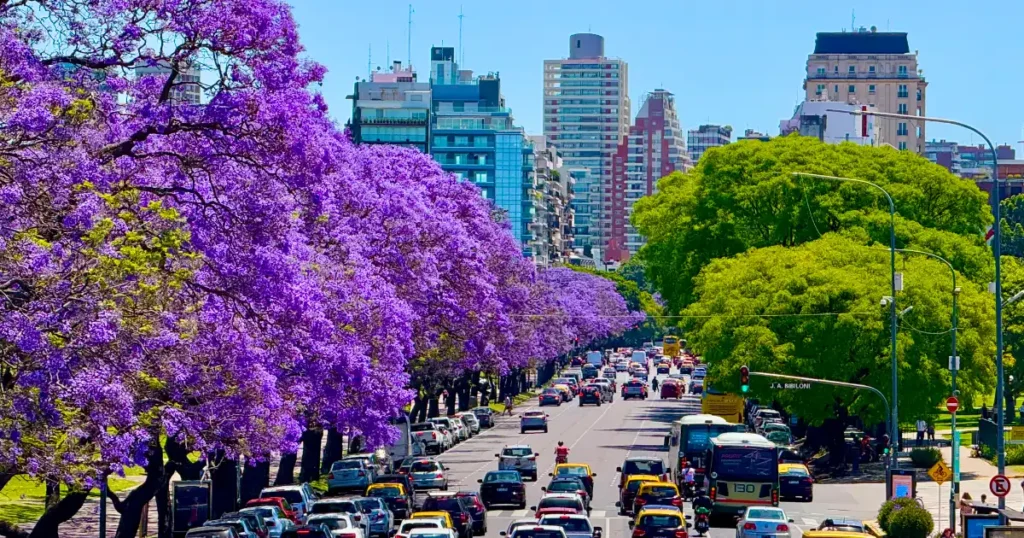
861, 42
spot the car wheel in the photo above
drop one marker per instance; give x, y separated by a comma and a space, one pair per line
444, 487
545, 431
522, 431
522, 505
810, 498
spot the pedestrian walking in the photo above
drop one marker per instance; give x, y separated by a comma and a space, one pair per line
922, 426
508, 405
984, 411
931, 432
966, 508
983, 497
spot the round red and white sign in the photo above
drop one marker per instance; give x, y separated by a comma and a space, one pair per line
1000, 485
952, 404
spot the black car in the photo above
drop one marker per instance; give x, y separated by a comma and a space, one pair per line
590, 371
795, 481
590, 395
307, 531
478, 509
397, 478
565, 484
459, 508
485, 415
503, 487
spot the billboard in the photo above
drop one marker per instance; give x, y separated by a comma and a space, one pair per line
190, 505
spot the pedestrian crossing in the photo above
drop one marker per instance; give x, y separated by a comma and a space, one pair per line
516, 514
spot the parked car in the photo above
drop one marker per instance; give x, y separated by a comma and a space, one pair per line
471, 422
533, 420
429, 474
485, 415
503, 487
478, 510
550, 396
279, 502
338, 525
450, 425
300, 497
308, 531
795, 481
399, 501
273, 518
519, 458
212, 532
459, 508
428, 434
575, 526
350, 474
590, 394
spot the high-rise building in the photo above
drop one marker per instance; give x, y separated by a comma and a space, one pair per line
969, 162
751, 134
186, 89
867, 67
473, 136
553, 192
831, 122
586, 114
704, 137
653, 149
392, 108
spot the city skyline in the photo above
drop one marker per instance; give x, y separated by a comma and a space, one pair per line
713, 78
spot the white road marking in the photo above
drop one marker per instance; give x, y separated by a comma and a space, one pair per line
809, 522
520, 513
597, 513
615, 477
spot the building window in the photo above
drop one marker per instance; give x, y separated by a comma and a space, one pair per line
835, 89
821, 71
852, 89
901, 129
836, 70
901, 91
901, 109
902, 146
919, 95
901, 71
853, 70
480, 177
871, 70
871, 89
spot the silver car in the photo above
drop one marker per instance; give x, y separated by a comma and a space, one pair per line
520, 458
763, 523
350, 474
428, 473
533, 420
575, 526
338, 524
471, 422
274, 517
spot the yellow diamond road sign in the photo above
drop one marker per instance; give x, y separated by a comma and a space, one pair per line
940, 472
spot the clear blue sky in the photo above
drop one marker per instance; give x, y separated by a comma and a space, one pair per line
735, 62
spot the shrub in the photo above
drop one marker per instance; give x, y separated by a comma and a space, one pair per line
910, 522
925, 457
886, 511
1015, 455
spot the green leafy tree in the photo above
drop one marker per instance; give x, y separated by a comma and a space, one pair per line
813, 310
1012, 225
745, 195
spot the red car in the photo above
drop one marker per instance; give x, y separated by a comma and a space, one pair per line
559, 503
279, 502
671, 389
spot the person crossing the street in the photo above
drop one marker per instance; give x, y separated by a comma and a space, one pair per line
508, 405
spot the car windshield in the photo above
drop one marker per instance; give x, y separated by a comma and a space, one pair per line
572, 471
660, 492
795, 471
558, 502
347, 464
570, 524
654, 467
534, 533
844, 528
442, 504
386, 492
262, 512
424, 466
369, 504
660, 521
429, 535
332, 523
293, 496
634, 485
769, 413
410, 525
237, 525
422, 427
522, 452
766, 513
496, 477
554, 392
565, 485
327, 507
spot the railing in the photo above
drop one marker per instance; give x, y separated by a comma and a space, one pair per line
857, 75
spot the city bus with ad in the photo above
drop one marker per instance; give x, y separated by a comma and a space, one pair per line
670, 346
743, 471
689, 440
728, 406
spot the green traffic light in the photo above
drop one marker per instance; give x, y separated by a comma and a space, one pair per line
745, 388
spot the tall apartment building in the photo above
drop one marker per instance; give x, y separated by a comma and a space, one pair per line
186, 89
392, 108
970, 162
586, 114
654, 148
704, 137
473, 136
867, 67
553, 192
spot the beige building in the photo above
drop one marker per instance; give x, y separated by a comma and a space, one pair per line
868, 67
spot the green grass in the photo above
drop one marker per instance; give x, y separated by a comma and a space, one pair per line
500, 407
943, 422
23, 498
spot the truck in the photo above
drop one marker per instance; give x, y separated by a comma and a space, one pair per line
595, 358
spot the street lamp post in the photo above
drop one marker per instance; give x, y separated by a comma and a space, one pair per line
997, 251
894, 425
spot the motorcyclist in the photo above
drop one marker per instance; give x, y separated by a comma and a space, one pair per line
654, 384
701, 501
689, 481
561, 453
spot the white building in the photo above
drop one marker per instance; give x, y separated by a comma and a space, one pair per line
831, 122
186, 88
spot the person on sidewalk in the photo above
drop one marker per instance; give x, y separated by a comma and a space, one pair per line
965, 504
931, 432
921, 427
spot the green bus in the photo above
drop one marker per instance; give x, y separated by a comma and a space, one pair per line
743, 471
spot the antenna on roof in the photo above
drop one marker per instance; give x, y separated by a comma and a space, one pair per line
461, 57
853, 20
409, 34
369, 60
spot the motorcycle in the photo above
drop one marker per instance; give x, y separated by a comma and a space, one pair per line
702, 522
561, 458
688, 491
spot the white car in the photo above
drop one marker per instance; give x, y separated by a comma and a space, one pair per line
301, 497
532, 522
575, 526
448, 426
338, 524
538, 531
761, 522
432, 533
275, 519
411, 525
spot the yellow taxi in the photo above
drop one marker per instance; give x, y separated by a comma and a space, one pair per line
443, 516
393, 494
577, 470
659, 522
663, 493
565, 390
873, 528
628, 492
834, 534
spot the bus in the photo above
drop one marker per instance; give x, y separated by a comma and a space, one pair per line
670, 346
727, 406
743, 471
689, 440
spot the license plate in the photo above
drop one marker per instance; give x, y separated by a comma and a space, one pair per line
794, 481
502, 489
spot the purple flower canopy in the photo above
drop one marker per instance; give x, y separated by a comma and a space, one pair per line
232, 272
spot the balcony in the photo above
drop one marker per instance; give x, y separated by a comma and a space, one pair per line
859, 76
394, 121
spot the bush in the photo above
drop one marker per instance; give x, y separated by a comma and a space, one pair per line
925, 457
910, 522
890, 507
1015, 455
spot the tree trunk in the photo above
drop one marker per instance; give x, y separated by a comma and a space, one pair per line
10, 530
332, 450
187, 469
224, 482
4, 479
449, 400
433, 410
48, 525
52, 493
419, 411
163, 512
131, 507
285, 470
310, 468
255, 477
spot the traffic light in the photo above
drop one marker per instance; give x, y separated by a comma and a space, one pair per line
744, 378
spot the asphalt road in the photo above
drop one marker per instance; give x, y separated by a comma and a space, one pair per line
603, 437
